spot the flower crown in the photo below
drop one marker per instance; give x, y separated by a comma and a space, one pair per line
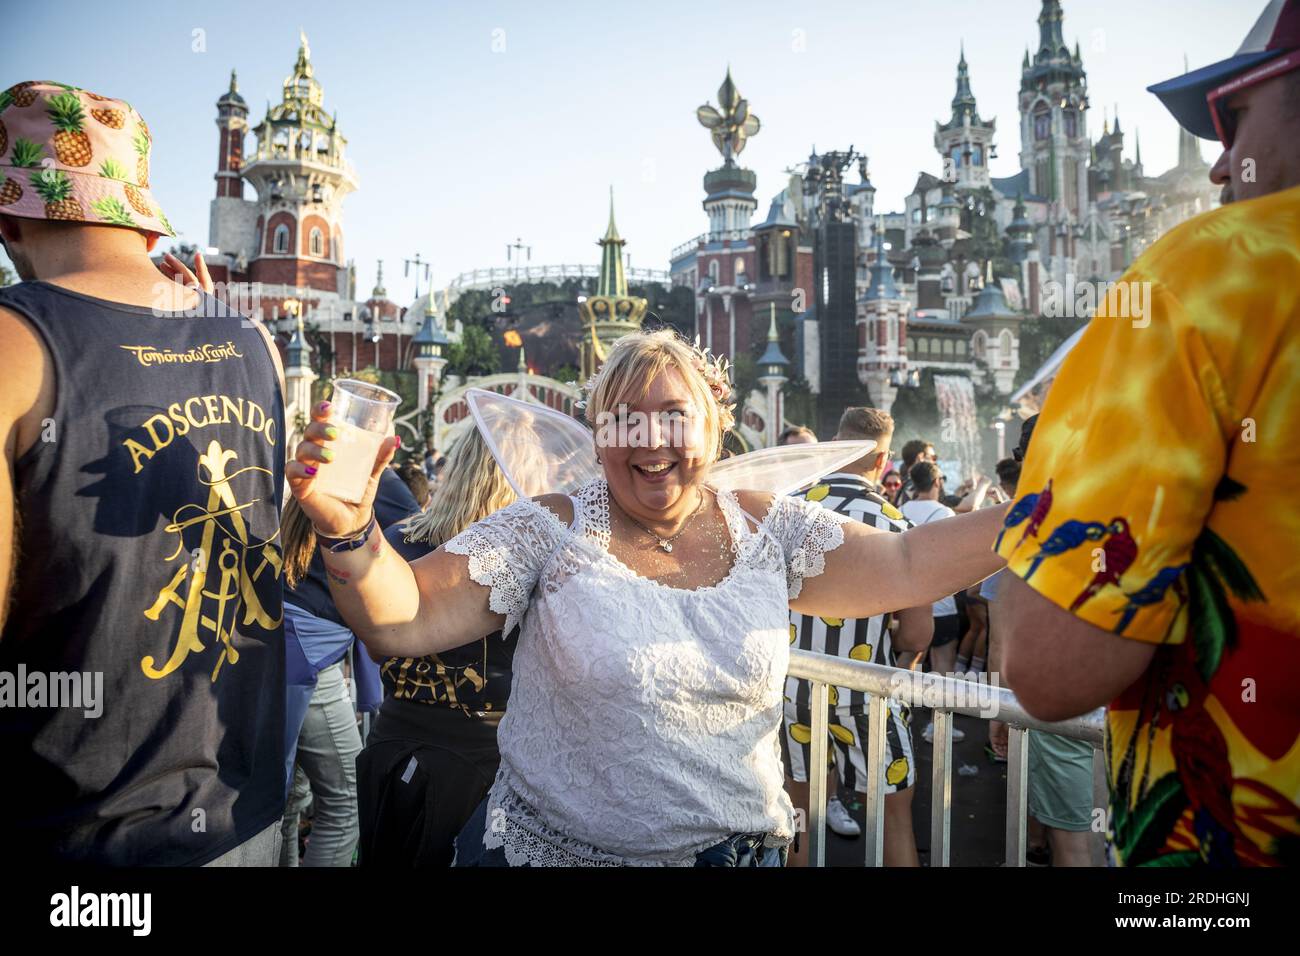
714, 369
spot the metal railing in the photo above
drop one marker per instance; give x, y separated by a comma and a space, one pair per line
508, 275
945, 696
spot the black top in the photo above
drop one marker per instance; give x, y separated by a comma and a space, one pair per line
147, 573
393, 502
474, 679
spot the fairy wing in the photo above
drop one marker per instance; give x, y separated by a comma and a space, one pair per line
784, 469
540, 450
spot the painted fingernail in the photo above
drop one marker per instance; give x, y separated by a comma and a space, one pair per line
327, 454
331, 432
324, 407
399, 441
310, 469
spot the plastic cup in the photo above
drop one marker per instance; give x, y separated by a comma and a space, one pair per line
363, 414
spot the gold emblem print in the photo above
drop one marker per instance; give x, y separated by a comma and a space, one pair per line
220, 568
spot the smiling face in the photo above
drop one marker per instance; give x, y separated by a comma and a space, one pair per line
657, 455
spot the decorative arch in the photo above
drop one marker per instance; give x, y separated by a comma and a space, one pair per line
451, 411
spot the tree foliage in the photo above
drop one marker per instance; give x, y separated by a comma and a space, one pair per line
474, 354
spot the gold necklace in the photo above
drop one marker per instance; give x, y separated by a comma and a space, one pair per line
666, 543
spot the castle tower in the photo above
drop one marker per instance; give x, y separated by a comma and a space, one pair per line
1054, 144
232, 122
772, 375
1020, 233
882, 330
298, 379
726, 259
611, 313
965, 141
430, 345
230, 216
301, 176
996, 340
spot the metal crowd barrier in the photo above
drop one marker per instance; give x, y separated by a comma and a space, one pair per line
880, 683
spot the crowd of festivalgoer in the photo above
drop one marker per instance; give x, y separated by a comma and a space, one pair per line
201, 650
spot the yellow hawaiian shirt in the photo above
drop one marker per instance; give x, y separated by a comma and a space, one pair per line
1161, 501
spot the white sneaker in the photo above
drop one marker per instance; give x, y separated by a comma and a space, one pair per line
958, 735
839, 819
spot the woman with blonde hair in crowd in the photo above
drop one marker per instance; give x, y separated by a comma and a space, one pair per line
646, 704
432, 753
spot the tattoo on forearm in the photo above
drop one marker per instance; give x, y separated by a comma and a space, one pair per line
339, 576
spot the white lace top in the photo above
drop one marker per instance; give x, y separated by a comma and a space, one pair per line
643, 719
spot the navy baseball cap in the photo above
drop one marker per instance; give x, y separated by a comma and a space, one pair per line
1275, 33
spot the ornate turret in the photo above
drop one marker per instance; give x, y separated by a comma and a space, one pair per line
729, 190
429, 347
298, 379
997, 329
963, 101
298, 350
1020, 233
612, 283
1050, 39
301, 175
610, 313
232, 121
1054, 143
881, 284
965, 141
882, 329
772, 375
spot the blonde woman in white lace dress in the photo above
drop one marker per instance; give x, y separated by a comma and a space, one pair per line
644, 717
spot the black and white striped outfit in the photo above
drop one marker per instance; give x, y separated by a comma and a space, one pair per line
866, 639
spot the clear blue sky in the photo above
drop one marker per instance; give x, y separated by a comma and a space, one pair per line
460, 149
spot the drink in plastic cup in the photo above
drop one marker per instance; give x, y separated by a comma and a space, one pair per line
363, 414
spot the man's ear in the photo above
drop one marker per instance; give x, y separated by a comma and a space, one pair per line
10, 231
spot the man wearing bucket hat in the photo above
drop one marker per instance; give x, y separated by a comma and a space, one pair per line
141, 641
1175, 600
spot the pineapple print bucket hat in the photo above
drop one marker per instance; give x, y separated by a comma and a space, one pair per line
69, 154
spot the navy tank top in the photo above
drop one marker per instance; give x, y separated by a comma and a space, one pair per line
143, 652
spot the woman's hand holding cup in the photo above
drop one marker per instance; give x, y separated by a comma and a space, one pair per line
328, 514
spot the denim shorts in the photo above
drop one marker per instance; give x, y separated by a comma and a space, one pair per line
740, 849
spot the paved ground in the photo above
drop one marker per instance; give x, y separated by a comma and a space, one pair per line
978, 821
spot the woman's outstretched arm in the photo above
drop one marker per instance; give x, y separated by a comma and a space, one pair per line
876, 571
398, 609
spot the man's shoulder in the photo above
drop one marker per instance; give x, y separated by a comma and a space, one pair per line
1255, 236
873, 508
856, 499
